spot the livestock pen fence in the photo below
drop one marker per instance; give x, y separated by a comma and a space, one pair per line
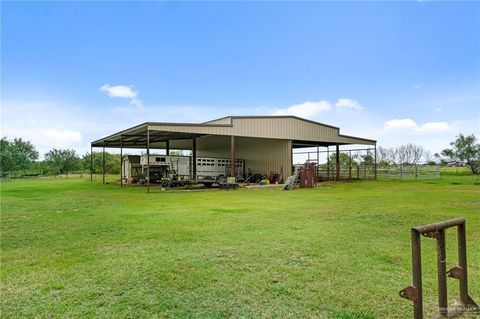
361, 164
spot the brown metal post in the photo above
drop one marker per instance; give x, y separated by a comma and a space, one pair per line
233, 158
462, 262
328, 163
350, 166
103, 163
442, 273
194, 157
121, 162
148, 160
417, 274
338, 162
91, 163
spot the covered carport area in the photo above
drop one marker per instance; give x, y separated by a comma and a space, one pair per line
267, 143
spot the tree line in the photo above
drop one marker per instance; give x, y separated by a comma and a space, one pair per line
464, 151
19, 157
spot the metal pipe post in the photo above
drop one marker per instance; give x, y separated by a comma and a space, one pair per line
328, 163
350, 166
442, 273
417, 274
121, 162
91, 163
375, 161
103, 164
233, 158
194, 157
462, 262
338, 162
148, 160
167, 149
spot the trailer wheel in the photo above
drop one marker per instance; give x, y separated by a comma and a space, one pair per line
207, 185
165, 183
223, 185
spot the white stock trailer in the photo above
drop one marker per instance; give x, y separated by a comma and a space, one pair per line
178, 170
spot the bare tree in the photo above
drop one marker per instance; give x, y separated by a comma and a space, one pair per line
416, 153
393, 155
408, 153
382, 155
428, 156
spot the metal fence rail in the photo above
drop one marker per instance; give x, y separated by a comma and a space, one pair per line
408, 171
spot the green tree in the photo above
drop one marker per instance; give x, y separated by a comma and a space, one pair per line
16, 155
368, 159
62, 161
112, 163
345, 159
464, 150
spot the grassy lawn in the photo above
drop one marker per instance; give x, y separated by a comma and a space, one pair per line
71, 248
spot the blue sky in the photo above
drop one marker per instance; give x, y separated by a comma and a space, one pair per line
396, 72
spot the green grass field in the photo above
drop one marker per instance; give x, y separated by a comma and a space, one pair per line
75, 249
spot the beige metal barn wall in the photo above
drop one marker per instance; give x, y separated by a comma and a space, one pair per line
261, 155
286, 128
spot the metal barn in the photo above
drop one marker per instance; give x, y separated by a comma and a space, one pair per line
265, 143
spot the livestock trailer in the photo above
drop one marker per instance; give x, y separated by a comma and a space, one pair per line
178, 170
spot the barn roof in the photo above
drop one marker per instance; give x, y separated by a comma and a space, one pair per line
301, 132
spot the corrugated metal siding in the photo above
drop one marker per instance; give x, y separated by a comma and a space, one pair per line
260, 155
269, 127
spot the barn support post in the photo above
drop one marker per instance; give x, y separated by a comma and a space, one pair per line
103, 164
194, 157
148, 160
121, 161
350, 164
375, 161
232, 157
337, 148
91, 163
167, 147
328, 163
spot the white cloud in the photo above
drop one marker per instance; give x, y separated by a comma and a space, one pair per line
306, 109
344, 104
431, 127
410, 126
122, 91
400, 124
